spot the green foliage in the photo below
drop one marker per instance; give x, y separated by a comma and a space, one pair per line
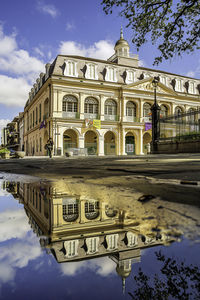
4, 150
173, 25
178, 281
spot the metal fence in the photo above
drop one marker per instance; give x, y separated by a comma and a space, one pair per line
180, 126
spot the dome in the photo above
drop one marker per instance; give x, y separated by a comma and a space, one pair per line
123, 273
122, 42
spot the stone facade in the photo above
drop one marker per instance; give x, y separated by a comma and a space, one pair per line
102, 106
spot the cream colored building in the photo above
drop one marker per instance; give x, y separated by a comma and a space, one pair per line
102, 106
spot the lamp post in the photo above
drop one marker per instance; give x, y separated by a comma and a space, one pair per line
155, 118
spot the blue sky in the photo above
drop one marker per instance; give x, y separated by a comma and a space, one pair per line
33, 32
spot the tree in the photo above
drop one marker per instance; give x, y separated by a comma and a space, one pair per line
173, 25
176, 281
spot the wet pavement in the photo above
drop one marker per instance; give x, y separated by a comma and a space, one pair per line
93, 228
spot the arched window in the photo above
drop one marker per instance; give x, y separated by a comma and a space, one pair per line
110, 107
112, 241
71, 248
147, 110
130, 109
178, 110
92, 245
70, 104
92, 210
91, 105
163, 111
191, 115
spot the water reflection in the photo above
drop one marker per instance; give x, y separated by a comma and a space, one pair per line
75, 228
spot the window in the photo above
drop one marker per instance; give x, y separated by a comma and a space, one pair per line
129, 77
70, 104
92, 210
91, 71
40, 112
178, 110
132, 239
92, 245
147, 110
36, 116
130, 109
191, 88
178, 85
163, 111
110, 74
112, 241
91, 105
110, 107
33, 118
163, 80
71, 248
70, 68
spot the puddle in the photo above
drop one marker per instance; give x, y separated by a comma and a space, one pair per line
77, 239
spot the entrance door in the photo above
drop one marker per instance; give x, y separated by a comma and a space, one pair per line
130, 145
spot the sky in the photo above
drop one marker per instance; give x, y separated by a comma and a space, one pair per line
34, 32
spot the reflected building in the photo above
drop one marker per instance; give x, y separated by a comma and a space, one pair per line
73, 228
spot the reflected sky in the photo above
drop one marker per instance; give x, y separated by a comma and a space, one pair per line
29, 271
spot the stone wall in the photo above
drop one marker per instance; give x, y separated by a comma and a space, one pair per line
178, 147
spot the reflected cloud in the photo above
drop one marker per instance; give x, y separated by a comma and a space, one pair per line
13, 224
17, 255
101, 266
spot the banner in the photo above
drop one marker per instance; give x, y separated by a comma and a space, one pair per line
148, 126
97, 124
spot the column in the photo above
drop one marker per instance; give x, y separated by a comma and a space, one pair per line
141, 142
81, 106
101, 146
101, 107
81, 142
123, 138
141, 110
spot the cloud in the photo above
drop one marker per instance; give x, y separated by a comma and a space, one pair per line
21, 244
3, 123
48, 9
17, 61
20, 70
69, 26
13, 224
102, 266
13, 91
102, 49
38, 51
17, 255
190, 74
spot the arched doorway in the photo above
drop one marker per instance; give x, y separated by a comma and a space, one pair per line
69, 140
130, 143
91, 142
46, 137
109, 143
146, 140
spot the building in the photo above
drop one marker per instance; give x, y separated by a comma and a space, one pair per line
74, 228
103, 106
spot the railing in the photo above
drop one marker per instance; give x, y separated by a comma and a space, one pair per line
111, 117
132, 119
91, 116
70, 115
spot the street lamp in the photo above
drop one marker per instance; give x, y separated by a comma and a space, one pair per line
155, 118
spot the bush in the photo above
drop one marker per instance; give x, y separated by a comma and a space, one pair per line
4, 150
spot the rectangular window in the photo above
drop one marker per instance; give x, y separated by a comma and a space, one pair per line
40, 112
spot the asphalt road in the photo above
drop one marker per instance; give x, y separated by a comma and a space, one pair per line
180, 167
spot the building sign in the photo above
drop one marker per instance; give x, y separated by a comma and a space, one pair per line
148, 126
97, 124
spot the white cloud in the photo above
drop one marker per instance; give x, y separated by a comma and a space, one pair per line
102, 266
102, 49
17, 255
70, 26
38, 51
48, 9
13, 91
23, 68
3, 123
190, 74
13, 224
